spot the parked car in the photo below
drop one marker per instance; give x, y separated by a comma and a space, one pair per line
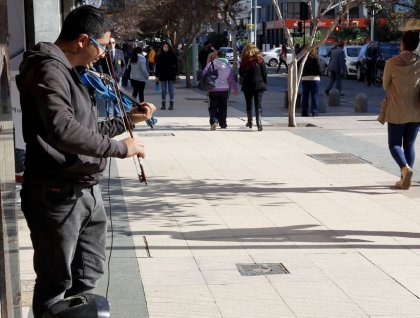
229, 53
271, 57
386, 50
324, 53
350, 53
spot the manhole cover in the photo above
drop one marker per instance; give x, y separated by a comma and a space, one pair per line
156, 135
337, 158
262, 269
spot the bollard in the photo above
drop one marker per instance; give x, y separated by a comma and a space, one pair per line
361, 103
322, 104
298, 100
334, 98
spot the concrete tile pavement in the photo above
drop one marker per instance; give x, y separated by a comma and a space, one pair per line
220, 198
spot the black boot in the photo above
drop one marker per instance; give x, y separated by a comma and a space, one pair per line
259, 118
249, 115
163, 105
171, 105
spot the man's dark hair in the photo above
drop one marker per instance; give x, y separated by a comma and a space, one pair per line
85, 20
410, 40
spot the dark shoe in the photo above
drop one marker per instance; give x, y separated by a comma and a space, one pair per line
163, 105
223, 126
260, 128
249, 124
305, 115
171, 105
315, 114
327, 91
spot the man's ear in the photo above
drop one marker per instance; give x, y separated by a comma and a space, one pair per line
82, 40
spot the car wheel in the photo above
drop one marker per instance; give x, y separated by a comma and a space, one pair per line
273, 63
359, 74
379, 75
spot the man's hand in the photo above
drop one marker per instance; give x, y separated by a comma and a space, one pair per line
134, 148
142, 112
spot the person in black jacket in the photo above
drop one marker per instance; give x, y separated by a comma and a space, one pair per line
66, 151
204, 53
372, 55
311, 77
166, 73
254, 81
118, 61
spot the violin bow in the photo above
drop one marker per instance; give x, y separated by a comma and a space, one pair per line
127, 123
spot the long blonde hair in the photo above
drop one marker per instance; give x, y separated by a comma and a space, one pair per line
250, 51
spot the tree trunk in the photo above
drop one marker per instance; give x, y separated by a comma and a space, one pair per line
292, 86
186, 69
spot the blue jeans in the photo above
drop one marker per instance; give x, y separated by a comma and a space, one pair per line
312, 88
167, 85
401, 139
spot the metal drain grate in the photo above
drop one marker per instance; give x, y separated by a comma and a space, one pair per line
262, 269
155, 135
337, 158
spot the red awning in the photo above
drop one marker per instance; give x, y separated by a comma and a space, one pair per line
323, 23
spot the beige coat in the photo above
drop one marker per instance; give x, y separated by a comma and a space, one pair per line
401, 81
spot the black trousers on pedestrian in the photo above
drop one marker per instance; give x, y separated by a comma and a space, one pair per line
68, 232
138, 88
257, 97
218, 107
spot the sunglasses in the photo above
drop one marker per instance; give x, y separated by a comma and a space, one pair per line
99, 45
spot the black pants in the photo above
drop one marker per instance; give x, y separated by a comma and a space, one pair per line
138, 88
370, 71
257, 96
218, 107
68, 232
280, 63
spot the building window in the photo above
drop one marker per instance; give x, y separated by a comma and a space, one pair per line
354, 12
293, 10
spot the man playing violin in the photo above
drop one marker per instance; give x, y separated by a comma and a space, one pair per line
66, 151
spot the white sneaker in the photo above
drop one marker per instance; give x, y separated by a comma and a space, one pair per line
213, 126
407, 174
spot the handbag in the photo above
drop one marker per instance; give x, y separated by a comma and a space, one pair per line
259, 80
209, 79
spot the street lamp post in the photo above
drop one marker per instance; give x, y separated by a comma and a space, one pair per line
256, 7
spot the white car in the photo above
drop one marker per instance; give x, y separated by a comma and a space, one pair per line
271, 58
351, 52
229, 53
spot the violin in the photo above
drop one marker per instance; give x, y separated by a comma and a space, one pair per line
103, 84
107, 87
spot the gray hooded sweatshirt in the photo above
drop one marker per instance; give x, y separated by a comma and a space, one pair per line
64, 141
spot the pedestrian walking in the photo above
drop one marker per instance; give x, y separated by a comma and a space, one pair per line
66, 151
311, 77
118, 61
336, 67
254, 81
372, 55
204, 53
219, 95
282, 55
401, 105
166, 73
138, 72
151, 58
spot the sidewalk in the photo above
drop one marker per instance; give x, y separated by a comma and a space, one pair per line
218, 199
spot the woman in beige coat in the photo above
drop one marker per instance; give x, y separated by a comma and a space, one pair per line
401, 106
